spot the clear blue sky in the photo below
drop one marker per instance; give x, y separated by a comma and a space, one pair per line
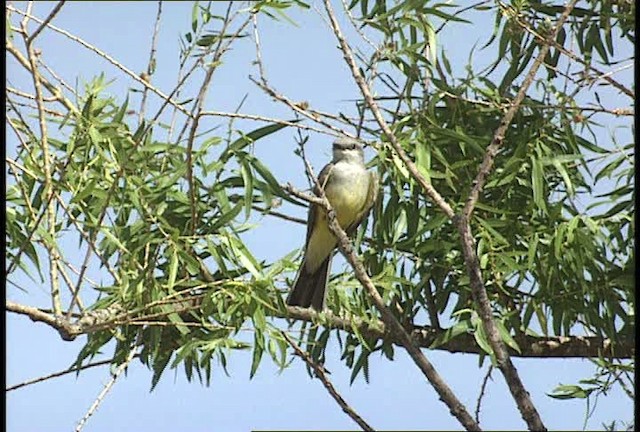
303, 63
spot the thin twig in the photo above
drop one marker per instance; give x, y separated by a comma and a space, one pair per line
483, 388
366, 93
301, 107
107, 57
48, 85
221, 48
46, 22
58, 374
151, 66
105, 390
266, 119
47, 162
322, 376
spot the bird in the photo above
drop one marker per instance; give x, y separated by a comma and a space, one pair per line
351, 191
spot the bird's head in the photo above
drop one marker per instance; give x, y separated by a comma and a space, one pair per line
347, 149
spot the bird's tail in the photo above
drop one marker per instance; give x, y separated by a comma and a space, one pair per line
310, 289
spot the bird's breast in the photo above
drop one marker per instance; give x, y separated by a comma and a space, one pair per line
347, 191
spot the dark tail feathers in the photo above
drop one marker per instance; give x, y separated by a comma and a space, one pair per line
310, 289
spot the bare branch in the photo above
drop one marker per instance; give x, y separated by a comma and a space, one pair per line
456, 407
72, 369
499, 134
151, 66
322, 376
366, 93
67, 330
46, 22
521, 396
105, 390
48, 85
483, 388
600, 75
107, 57
47, 162
222, 46
300, 107
264, 119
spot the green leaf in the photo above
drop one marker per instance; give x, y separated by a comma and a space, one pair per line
173, 268
258, 350
537, 181
481, 337
506, 336
450, 333
256, 134
227, 217
247, 178
570, 392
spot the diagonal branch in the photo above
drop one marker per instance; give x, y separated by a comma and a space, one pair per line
499, 134
573, 56
46, 22
58, 374
151, 65
322, 376
301, 108
392, 324
366, 93
94, 406
503, 361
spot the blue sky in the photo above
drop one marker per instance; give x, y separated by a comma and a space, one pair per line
303, 63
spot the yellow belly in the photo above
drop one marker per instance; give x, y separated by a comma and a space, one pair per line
347, 202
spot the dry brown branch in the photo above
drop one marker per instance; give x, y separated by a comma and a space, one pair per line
366, 93
499, 134
72, 369
322, 376
151, 65
456, 407
46, 21
264, 119
516, 387
483, 389
222, 46
423, 336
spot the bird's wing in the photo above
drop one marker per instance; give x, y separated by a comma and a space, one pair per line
313, 208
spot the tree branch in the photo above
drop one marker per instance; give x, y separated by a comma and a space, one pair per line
46, 22
322, 376
104, 391
423, 336
58, 374
456, 407
503, 362
366, 93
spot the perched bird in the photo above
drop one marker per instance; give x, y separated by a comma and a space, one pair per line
351, 191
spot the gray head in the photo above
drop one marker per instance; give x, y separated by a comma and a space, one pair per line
347, 149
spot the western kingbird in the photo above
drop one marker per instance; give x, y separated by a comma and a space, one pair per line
351, 191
